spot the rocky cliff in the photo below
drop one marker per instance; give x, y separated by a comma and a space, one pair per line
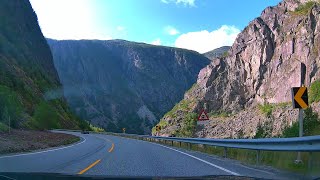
27, 73
261, 67
120, 84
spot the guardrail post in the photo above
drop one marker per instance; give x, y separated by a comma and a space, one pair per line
225, 152
171, 143
189, 145
205, 148
258, 157
179, 143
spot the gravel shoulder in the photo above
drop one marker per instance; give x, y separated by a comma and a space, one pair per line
27, 140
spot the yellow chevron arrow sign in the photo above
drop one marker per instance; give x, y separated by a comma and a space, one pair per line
300, 97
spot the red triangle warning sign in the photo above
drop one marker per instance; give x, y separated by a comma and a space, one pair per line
203, 116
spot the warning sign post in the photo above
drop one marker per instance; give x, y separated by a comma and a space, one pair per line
203, 116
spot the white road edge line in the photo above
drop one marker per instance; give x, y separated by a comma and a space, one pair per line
44, 151
211, 164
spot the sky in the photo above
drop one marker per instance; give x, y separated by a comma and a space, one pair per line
200, 25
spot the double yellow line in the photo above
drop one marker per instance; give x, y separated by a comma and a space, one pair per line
97, 161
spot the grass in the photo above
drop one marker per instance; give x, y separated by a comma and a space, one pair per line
314, 92
71, 140
225, 54
162, 123
182, 105
304, 8
215, 114
266, 109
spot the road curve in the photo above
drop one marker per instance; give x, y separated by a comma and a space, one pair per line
99, 154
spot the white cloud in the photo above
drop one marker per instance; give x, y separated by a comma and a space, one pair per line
72, 19
204, 41
156, 42
171, 30
121, 28
184, 2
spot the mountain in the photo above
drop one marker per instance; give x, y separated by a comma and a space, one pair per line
249, 90
219, 52
27, 73
119, 84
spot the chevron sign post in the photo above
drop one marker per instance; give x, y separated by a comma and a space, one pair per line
300, 101
299, 97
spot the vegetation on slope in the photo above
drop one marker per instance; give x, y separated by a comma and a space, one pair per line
314, 92
27, 73
189, 126
311, 125
304, 9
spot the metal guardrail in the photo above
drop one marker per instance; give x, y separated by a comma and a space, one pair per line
299, 144
302, 144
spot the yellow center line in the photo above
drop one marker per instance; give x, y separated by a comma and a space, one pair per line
89, 167
111, 149
112, 145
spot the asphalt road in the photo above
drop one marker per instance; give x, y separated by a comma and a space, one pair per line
98, 154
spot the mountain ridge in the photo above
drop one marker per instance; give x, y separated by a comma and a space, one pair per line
123, 84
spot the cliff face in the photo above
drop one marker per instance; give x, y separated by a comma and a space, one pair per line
119, 84
27, 72
261, 67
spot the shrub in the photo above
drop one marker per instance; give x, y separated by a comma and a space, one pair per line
225, 54
189, 126
266, 109
314, 92
96, 129
292, 131
260, 132
310, 124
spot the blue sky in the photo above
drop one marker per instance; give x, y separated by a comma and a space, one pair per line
200, 25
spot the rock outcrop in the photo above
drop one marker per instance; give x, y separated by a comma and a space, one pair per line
261, 67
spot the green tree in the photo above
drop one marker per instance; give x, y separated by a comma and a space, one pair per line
46, 117
84, 125
10, 106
